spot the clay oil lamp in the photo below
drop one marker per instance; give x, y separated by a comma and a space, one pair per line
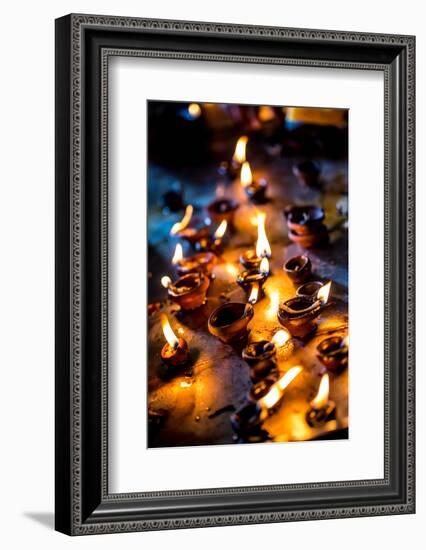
305, 225
175, 352
254, 189
232, 168
229, 321
189, 228
202, 262
253, 279
321, 409
249, 259
189, 291
298, 315
261, 358
307, 173
222, 210
309, 290
298, 268
213, 243
333, 353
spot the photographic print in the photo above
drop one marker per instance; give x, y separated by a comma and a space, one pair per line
247, 273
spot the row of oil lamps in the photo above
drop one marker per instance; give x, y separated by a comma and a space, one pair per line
229, 321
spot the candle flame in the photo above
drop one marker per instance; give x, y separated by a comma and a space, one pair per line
178, 255
220, 231
274, 304
240, 150
324, 292
264, 266
254, 293
178, 226
194, 110
321, 399
169, 335
281, 337
262, 246
246, 175
166, 281
277, 389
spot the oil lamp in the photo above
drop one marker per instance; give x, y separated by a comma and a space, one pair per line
254, 279
175, 352
232, 168
298, 315
213, 243
305, 225
309, 290
333, 353
179, 226
307, 173
255, 189
298, 268
189, 228
189, 291
222, 210
249, 259
202, 262
321, 409
229, 321
261, 357
252, 258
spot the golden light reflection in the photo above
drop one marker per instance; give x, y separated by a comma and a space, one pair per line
179, 226
262, 246
169, 335
281, 337
178, 255
220, 231
321, 399
240, 150
246, 175
254, 293
231, 269
185, 384
323, 293
274, 304
166, 281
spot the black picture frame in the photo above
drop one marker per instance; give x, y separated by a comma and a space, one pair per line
83, 46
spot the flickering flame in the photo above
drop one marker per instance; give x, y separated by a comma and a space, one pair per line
254, 293
178, 255
169, 335
321, 399
277, 389
240, 150
324, 292
274, 304
220, 231
246, 175
281, 337
262, 246
178, 226
194, 110
264, 266
266, 113
166, 281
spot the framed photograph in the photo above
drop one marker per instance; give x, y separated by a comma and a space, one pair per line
234, 274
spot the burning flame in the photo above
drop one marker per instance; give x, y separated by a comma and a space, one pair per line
168, 332
264, 266
262, 246
323, 293
281, 337
166, 281
178, 255
178, 226
321, 399
277, 389
254, 293
194, 110
246, 175
220, 231
240, 150
274, 304
266, 113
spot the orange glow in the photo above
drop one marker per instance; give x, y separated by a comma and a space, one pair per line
254, 293
231, 269
178, 226
264, 266
262, 246
166, 281
178, 255
288, 377
321, 399
240, 150
323, 293
271, 398
246, 175
194, 110
277, 389
185, 384
220, 231
266, 113
274, 304
169, 335
281, 337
